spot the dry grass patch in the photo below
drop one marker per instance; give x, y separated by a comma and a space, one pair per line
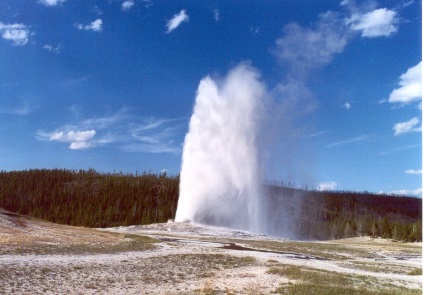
319, 282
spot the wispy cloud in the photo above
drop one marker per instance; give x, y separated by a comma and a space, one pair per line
154, 136
120, 130
410, 89
216, 14
349, 141
407, 127
401, 149
414, 172
77, 80
126, 5
17, 33
51, 3
327, 186
319, 133
377, 23
176, 21
16, 107
95, 26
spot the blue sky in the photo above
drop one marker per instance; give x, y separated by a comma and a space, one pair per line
111, 85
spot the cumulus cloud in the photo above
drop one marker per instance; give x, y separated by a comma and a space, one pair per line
77, 139
412, 171
51, 3
408, 126
95, 26
377, 23
410, 89
327, 186
81, 145
176, 21
17, 33
126, 5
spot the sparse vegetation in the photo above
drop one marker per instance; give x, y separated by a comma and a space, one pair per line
312, 281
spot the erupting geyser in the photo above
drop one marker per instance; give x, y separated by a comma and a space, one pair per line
220, 183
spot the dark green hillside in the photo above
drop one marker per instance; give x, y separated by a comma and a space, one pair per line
333, 215
88, 198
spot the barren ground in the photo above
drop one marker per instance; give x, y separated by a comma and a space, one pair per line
38, 257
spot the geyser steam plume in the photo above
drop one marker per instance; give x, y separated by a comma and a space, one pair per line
220, 171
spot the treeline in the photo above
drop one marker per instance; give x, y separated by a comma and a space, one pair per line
315, 215
88, 198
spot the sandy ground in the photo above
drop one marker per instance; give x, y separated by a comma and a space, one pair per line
180, 258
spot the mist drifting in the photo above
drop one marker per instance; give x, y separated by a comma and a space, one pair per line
220, 183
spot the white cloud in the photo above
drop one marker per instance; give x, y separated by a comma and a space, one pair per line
53, 49
305, 49
327, 186
379, 22
216, 15
347, 105
71, 136
81, 145
404, 192
95, 26
176, 20
51, 3
406, 127
17, 33
412, 171
126, 5
410, 89
120, 130
77, 139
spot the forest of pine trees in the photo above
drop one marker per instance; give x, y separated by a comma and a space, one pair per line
89, 198
316, 215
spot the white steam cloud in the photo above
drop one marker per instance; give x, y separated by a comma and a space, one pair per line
220, 169
223, 149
